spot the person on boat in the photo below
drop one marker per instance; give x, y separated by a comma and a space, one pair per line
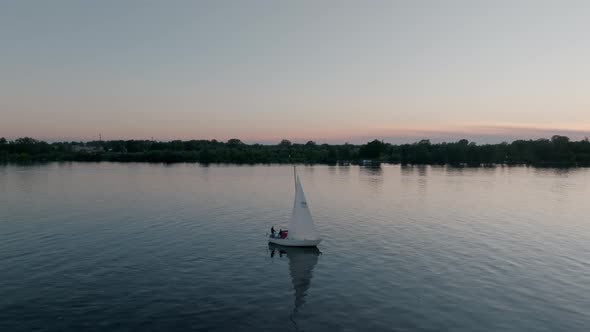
280, 233
272, 231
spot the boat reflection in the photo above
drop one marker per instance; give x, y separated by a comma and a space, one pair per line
301, 264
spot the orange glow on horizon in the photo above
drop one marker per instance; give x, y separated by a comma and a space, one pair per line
351, 134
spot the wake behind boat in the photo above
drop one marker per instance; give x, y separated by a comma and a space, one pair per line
302, 231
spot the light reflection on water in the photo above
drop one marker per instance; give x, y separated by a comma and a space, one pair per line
409, 248
301, 264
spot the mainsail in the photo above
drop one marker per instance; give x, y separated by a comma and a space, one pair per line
302, 226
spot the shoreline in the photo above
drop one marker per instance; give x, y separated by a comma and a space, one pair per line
558, 151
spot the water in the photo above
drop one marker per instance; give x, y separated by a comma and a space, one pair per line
118, 247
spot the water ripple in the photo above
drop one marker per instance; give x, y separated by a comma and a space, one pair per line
150, 247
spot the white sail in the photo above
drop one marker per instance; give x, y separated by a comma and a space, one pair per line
302, 226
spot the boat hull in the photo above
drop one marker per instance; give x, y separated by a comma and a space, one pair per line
294, 243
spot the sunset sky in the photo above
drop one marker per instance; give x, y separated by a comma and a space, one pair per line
330, 71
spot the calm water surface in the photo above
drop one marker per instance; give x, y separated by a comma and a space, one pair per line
142, 247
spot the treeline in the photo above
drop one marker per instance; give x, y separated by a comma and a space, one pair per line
557, 151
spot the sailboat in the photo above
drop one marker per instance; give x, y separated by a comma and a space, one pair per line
302, 231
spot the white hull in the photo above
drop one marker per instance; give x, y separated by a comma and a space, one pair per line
294, 243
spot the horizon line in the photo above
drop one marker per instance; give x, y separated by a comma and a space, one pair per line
585, 138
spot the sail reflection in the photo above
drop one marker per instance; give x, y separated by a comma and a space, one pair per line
301, 264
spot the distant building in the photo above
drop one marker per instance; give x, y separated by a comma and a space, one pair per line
83, 148
370, 162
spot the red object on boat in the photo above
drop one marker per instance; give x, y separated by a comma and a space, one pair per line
284, 234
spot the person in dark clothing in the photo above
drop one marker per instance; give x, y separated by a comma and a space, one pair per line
281, 233
272, 231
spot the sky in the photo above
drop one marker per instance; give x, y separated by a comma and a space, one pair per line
261, 71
